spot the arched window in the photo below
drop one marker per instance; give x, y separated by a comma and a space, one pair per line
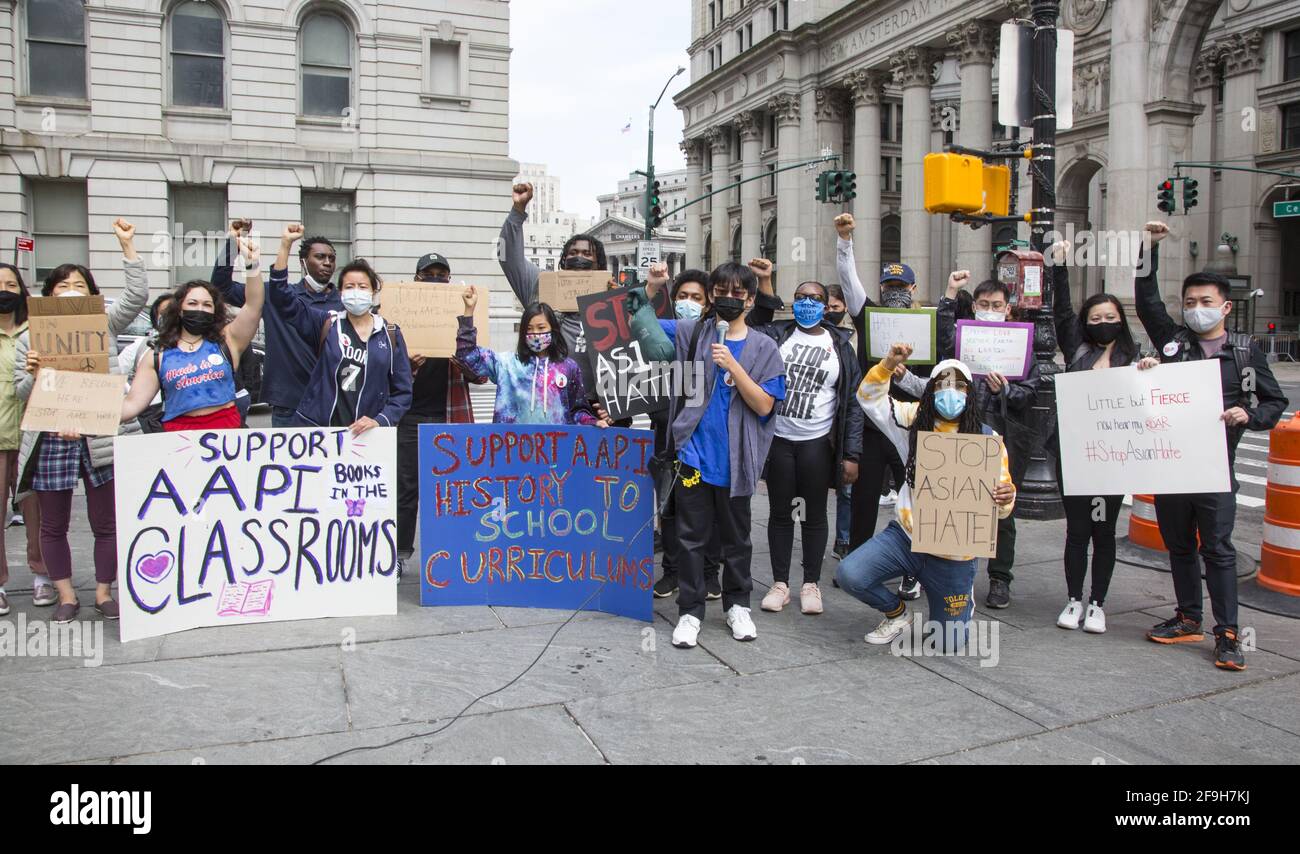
56, 48
326, 65
198, 55
891, 239
768, 249
735, 245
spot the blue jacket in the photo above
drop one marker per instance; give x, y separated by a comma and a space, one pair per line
386, 391
289, 359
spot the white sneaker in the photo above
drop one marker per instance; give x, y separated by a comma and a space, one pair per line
1095, 620
687, 632
742, 627
44, 594
1070, 617
777, 598
889, 628
889, 500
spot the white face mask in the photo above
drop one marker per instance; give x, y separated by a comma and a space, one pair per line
316, 286
358, 301
688, 309
991, 316
1202, 320
72, 294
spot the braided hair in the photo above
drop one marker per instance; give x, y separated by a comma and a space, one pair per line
927, 417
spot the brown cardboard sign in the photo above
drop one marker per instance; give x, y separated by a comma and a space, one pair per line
560, 289
429, 315
953, 512
75, 400
69, 333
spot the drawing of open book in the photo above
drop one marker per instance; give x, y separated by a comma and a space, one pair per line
246, 599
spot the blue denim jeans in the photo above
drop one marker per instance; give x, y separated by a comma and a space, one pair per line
949, 584
281, 416
843, 513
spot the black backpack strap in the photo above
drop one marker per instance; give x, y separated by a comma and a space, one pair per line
157, 369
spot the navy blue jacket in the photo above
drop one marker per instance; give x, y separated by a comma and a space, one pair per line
289, 359
386, 390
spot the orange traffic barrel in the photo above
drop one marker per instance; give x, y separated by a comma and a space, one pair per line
1142, 528
1279, 565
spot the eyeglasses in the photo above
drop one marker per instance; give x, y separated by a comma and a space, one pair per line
958, 385
814, 297
985, 305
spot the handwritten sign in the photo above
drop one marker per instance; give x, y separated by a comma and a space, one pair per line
953, 512
238, 526
987, 347
537, 516
429, 314
1154, 432
69, 333
71, 400
915, 327
561, 288
626, 383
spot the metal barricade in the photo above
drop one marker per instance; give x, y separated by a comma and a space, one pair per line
1280, 346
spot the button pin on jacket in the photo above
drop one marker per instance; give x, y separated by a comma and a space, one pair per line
1171, 348
561, 380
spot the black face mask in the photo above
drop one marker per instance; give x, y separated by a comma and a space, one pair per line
9, 301
577, 262
728, 308
1102, 334
835, 317
438, 280
198, 322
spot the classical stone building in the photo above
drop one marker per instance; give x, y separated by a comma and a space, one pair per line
379, 125
883, 82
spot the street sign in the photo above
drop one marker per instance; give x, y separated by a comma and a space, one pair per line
1285, 209
648, 252
26, 244
1015, 73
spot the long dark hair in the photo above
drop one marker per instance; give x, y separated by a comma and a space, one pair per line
558, 351
20, 311
927, 416
169, 332
1124, 344
62, 272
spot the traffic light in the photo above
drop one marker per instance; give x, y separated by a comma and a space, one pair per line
656, 209
1165, 195
835, 187
1272, 329
823, 182
850, 185
1190, 193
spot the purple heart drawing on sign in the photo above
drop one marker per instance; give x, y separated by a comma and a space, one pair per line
154, 568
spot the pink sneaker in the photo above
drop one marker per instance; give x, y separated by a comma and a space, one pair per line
810, 599
777, 598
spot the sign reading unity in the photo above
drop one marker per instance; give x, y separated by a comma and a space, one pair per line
915, 327
1125, 431
537, 516
953, 512
429, 315
69, 333
243, 526
1004, 348
626, 383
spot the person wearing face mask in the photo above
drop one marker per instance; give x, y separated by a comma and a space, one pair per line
1095, 339
13, 323
1243, 370
150, 419
948, 405
719, 439
290, 359
51, 464
817, 443
362, 377
196, 356
1004, 408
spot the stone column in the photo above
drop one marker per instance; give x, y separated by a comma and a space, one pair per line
750, 126
976, 43
718, 139
789, 186
831, 104
1130, 200
1241, 56
865, 88
912, 70
694, 189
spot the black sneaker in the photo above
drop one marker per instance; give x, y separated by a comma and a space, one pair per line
999, 594
401, 565
1177, 629
666, 586
840, 550
909, 588
659, 543
1227, 652
712, 587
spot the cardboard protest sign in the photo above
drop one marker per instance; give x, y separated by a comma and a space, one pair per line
916, 327
987, 347
560, 289
71, 400
621, 377
953, 512
69, 333
537, 516
429, 315
238, 526
1125, 431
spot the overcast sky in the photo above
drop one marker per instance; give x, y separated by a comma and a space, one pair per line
579, 70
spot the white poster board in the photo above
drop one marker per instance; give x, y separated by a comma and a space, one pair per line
1156, 432
987, 347
915, 327
241, 526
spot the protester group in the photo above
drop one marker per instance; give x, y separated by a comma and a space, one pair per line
797, 403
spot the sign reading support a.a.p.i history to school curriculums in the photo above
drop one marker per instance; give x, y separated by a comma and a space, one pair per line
1155, 432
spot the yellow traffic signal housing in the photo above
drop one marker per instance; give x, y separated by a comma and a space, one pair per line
997, 190
954, 183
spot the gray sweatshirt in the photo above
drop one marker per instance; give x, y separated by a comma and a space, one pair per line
522, 274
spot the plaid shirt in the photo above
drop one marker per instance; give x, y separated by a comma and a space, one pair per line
460, 410
61, 463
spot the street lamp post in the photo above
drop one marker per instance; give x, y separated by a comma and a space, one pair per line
650, 154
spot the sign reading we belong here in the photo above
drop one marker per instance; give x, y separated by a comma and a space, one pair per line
1154, 432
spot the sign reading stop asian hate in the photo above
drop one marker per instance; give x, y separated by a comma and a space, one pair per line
953, 512
537, 516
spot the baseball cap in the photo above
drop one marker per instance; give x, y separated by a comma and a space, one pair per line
431, 259
959, 367
897, 273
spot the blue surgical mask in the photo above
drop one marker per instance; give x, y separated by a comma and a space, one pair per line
358, 301
688, 309
950, 403
808, 312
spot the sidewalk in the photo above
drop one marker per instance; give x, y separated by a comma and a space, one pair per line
614, 690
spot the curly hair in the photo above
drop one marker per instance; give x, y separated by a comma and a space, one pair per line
597, 248
927, 416
308, 242
169, 331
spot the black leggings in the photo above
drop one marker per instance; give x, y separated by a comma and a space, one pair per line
878, 457
1088, 518
799, 481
